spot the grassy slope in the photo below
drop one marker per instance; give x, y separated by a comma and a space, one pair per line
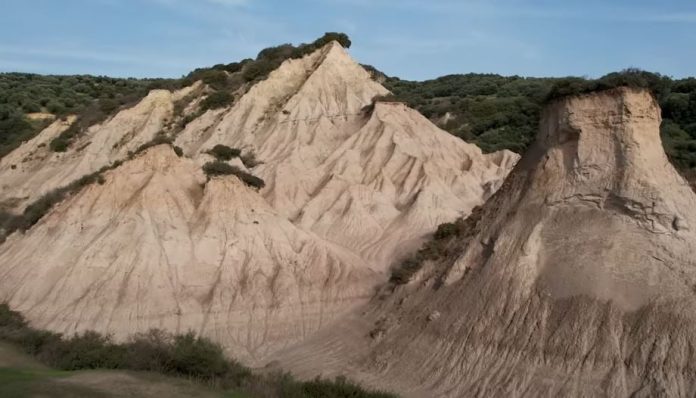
22, 376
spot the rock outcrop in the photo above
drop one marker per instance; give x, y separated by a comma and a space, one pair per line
576, 279
351, 186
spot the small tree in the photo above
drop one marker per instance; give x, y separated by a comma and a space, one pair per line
216, 100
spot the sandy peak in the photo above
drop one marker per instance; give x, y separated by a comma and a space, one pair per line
623, 106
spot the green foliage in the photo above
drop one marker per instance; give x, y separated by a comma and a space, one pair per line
22, 93
340, 387
635, 78
497, 112
249, 160
186, 355
404, 272
14, 128
282, 52
89, 350
217, 79
197, 357
493, 111
219, 168
218, 99
223, 152
260, 69
10, 223
160, 139
328, 37
446, 230
95, 98
445, 242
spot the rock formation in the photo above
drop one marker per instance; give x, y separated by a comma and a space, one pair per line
576, 279
350, 187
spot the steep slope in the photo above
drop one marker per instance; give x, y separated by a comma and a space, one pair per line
577, 279
152, 248
351, 186
363, 178
34, 169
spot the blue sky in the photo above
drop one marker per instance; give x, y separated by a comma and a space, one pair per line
411, 39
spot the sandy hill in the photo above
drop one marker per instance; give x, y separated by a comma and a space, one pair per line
350, 188
33, 169
576, 279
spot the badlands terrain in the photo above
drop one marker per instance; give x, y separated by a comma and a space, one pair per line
350, 186
276, 225
576, 279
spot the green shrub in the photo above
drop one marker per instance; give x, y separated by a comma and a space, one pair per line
185, 355
63, 140
216, 100
218, 168
249, 160
328, 37
447, 240
446, 230
223, 152
405, 271
160, 139
259, 70
89, 350
217, 79
282, 52
10, 320
634, 78
198, 357
39, 208
23, 93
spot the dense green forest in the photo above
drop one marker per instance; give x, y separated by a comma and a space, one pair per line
493, 111
498, 112
22, 94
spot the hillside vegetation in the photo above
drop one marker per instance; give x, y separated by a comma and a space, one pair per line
94, 98
495, 112
498, 112
186, 356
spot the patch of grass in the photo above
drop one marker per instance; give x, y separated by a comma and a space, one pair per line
187, 355
443, 244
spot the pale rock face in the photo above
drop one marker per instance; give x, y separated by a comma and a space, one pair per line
153, 248
577, 279
349, 191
